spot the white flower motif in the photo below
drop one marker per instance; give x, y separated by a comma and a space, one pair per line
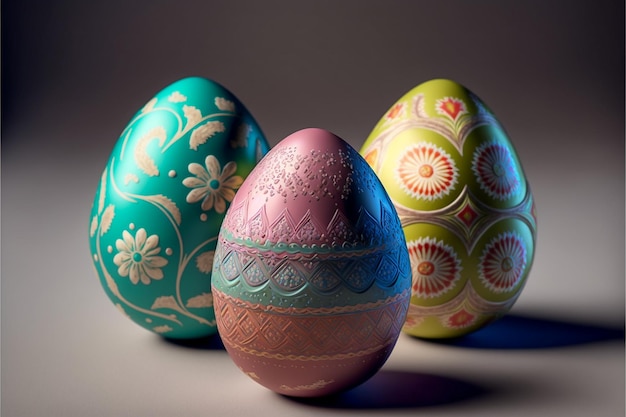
137, 257
212, 185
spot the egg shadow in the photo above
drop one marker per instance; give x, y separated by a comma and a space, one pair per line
524, 332
213, 342
391, 389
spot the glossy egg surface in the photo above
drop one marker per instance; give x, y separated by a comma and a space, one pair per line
465, 206
312, 278
161, 201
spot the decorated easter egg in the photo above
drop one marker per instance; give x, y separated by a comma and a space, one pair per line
161, 201
311, 280
465, 206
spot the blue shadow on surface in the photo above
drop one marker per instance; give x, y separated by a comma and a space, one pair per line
213, 342
524, 332
397, 389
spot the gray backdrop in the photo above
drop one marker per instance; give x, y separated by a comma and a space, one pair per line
74, 72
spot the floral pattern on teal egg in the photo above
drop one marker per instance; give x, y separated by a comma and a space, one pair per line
161, 200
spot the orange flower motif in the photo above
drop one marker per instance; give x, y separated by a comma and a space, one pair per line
451, 107
395, 111
412, 321
461, 319
371, 157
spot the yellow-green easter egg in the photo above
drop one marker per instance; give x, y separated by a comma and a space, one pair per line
161, 200
464, 203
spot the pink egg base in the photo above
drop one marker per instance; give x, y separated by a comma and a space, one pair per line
309, 352
309, 378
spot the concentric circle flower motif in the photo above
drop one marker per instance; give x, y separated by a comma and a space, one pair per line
436, 268
450, 107
137, 257
212, 185
495, 171
427, 172
503, 262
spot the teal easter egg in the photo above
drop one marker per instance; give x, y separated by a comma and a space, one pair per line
465, 204
161, 200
